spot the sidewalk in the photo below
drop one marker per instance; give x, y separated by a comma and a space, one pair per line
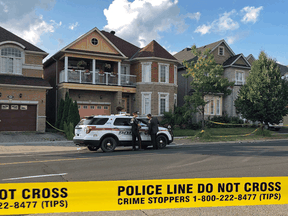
33, 142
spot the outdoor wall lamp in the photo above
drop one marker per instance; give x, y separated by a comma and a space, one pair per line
20, 95
79, 96
133, 98
101, 97
0, 94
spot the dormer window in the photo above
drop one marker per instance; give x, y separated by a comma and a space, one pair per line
11, 59
221, 51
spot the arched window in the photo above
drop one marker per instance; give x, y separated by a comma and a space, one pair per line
11, 60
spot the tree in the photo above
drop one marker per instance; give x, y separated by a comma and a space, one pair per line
207, 79
67, 102
73, 114
264, 97
59, 113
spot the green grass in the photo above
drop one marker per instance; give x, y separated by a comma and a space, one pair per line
214, 131
228, 134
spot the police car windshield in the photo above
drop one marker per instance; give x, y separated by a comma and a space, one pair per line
84, 121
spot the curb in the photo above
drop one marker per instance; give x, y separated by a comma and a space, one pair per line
36, 143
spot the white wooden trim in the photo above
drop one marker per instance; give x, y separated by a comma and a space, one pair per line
166, 72
24, 86
66, 68
33, 67
143, 94
150, 65
243, 77
154, 58
219, 50
119, 73
12, 42
19, 102
166, 102
175, 74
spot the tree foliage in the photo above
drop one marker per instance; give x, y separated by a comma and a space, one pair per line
207, 79
59, 113
264, 97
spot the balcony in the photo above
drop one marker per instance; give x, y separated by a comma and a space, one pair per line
105, 78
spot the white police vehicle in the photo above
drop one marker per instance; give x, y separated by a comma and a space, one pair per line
108, 132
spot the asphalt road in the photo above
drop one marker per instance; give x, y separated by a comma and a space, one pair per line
259, 159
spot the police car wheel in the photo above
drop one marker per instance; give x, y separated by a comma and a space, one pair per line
161, 141
108, 144
92, 148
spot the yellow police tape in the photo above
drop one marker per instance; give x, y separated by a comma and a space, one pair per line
239, 135
28, 198
54, 127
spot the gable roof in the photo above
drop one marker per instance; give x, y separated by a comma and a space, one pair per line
187, 55
125, 47
85, 35
250, 56
154, 49
6, 35
233, 59
283, 69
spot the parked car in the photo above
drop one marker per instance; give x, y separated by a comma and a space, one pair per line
108, 132
275, 126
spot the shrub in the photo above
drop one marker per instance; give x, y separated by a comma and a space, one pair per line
69, 131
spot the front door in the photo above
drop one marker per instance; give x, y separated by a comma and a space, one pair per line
125, 104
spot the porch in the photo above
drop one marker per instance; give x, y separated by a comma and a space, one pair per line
97, 72
97, 78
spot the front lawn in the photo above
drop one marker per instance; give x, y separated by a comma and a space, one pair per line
227, 134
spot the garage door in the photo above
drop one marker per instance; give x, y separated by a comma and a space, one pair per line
17, 117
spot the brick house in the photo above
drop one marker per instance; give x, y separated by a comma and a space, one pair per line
22, 87
236, 69
103, 72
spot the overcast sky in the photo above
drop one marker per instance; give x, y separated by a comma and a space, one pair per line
247, 26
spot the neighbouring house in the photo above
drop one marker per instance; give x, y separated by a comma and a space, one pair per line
103, 72
236, 68
22, 87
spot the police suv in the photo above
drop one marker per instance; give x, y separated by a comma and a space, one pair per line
108, 132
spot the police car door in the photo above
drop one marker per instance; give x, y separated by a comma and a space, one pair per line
144, 130
122, 124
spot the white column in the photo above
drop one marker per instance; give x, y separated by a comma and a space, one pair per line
119, 73
93, 70
66, 68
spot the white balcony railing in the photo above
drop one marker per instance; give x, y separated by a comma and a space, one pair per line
106, 78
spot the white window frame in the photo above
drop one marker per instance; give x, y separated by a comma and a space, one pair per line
221, 47
175, 74
212, 108
22, 60
145, 95
237, 82
143, 64
175, 100
166, 72
166, 97
207, 107
218, 106
125, 78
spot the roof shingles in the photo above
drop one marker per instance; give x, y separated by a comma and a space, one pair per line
6, 35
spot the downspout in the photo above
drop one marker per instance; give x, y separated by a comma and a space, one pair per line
56, 88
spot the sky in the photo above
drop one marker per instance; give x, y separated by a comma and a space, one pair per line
247, 26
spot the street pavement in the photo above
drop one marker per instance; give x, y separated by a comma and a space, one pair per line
25, 146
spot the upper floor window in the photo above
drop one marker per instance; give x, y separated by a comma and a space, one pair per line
11, 61
175, 75
239, 78
163, 73
221, 51
146, 72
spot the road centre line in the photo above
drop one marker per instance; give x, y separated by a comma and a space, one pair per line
25, 162
37, 176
